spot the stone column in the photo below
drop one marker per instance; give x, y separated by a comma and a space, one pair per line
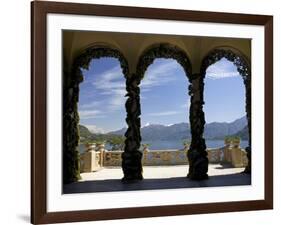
132, 156
101, 149
144, 158
197, 154
90, 147
90, 159
248, 149
71, 155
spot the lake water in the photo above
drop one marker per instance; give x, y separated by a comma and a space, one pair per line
162, 145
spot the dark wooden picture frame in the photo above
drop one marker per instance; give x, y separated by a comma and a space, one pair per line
40, 9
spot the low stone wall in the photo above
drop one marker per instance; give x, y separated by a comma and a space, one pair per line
94, 159
164, 157
150, 157
215, 155
236, 156
112, 158
90, 161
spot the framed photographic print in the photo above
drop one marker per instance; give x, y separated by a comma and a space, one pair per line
144, 112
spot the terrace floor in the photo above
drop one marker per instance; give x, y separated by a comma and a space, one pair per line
157, 177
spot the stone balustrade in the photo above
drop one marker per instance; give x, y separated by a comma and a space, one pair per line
164, 157
92, 159
96, 156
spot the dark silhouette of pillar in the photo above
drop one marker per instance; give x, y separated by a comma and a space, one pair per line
132, 156
197, 154
247, 82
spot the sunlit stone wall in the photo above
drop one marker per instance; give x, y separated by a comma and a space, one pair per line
96, 158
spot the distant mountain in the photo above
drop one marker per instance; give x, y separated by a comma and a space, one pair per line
215, 130
243, 134
85, 133
119, 132
87, 136
180, 131
161, 132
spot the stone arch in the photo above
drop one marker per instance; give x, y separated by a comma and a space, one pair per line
244, 69
230, 49
163, 50
96, 45
97, 51
132, 157
72, 79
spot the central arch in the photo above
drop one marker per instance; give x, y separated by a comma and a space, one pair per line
168, 51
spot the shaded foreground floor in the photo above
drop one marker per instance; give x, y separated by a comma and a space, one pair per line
157, 177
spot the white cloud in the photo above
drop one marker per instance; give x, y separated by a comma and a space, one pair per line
159, 74
221, 75
185, 105
145, 124
95, 129
110, 80
112, 84
87, 114
222, 69
118, 100
93, 104
165, 113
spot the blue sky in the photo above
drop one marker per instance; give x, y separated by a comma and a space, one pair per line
164, 94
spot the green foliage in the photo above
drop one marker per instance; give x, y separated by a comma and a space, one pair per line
145, 145
117, 142
186, 142
232, 138
227, 139
100, 142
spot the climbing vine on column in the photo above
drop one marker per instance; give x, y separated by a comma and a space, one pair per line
131, 157
197, 154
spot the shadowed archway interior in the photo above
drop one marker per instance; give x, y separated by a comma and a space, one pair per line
194, 54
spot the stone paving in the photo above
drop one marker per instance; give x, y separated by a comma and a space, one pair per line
157, 177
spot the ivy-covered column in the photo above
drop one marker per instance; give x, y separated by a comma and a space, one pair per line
71, 161
71, 81
244, 70
132, 156
247, 82
197, 154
